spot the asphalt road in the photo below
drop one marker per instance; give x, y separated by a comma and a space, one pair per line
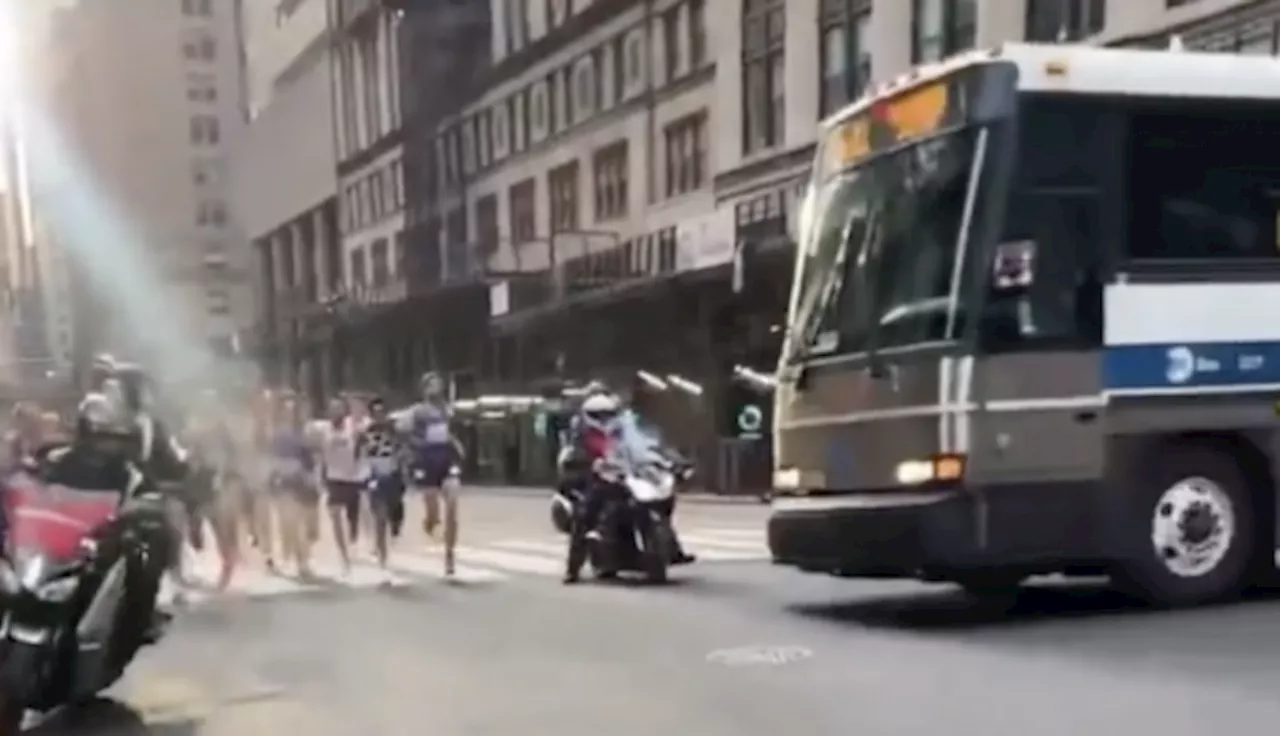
729, 649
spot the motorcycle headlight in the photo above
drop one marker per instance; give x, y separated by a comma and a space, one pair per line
57, 591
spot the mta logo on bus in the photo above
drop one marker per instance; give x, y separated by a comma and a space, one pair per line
1182, 364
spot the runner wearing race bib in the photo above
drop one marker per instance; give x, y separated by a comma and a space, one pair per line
434, 455
381, 454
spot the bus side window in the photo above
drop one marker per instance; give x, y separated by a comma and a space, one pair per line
1204, 181
1063, 305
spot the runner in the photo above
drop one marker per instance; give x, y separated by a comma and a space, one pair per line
380, 453
343, 480
52, 430
433, 465
214, 482
25, 436
293, 485
361, 519
257, 502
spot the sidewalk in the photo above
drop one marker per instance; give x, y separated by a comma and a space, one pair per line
693, 496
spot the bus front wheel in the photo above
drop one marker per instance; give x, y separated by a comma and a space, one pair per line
1190, 531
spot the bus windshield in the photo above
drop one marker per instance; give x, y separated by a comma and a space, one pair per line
881, 254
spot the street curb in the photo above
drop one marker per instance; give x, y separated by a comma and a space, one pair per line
696, 497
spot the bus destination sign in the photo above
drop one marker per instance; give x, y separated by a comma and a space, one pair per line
913, 114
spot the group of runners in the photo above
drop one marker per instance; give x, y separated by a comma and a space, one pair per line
266, 475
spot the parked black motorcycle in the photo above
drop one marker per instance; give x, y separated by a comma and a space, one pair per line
72, 559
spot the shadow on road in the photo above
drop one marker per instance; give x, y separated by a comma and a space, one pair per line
950, 610
109, 718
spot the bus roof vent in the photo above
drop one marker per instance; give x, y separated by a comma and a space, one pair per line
1175, 43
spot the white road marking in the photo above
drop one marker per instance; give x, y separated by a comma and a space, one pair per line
415, 559
425, 564
554, 548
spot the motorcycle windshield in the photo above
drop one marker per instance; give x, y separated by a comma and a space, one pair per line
52, 520
640, 441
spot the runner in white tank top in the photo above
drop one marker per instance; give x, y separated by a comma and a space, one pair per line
343, 474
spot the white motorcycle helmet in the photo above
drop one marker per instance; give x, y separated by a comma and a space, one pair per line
600, 411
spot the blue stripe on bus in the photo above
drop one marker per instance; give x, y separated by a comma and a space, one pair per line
1190, 365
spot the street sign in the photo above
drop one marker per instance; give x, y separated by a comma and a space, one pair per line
750, 421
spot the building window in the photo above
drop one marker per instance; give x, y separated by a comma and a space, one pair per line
846, 61
558, 102
562, 184
523, 203
632, 65
941, 28
697, 34
377, 198
211, 212
520, 121
487, 234
218, 302
350, 105
671, 43
1254, 38
372, 81
468, 147
538, 111
202, 88
1064, 20
501, 124
199, 46
686, 154
585, 93
557, 13
359, 276
445, 153
484, 139
199, 8
395, 185
380, 262
456, 250
205, 130
349, 206
610, 169
764, 72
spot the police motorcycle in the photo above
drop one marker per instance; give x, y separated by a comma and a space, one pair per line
638, 480
78, 575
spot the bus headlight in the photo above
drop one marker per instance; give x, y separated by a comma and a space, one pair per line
939, 469
786, 479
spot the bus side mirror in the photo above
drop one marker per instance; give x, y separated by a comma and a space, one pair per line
1013, 269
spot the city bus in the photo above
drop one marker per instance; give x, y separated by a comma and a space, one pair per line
1034, 327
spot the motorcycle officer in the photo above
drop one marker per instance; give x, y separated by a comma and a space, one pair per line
593, 430
100, 457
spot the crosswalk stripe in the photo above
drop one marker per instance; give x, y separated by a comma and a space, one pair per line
428, 565
511, 561
543, 547
733, 532
413, 560
715, 542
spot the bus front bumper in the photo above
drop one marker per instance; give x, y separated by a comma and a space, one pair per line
909, 534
